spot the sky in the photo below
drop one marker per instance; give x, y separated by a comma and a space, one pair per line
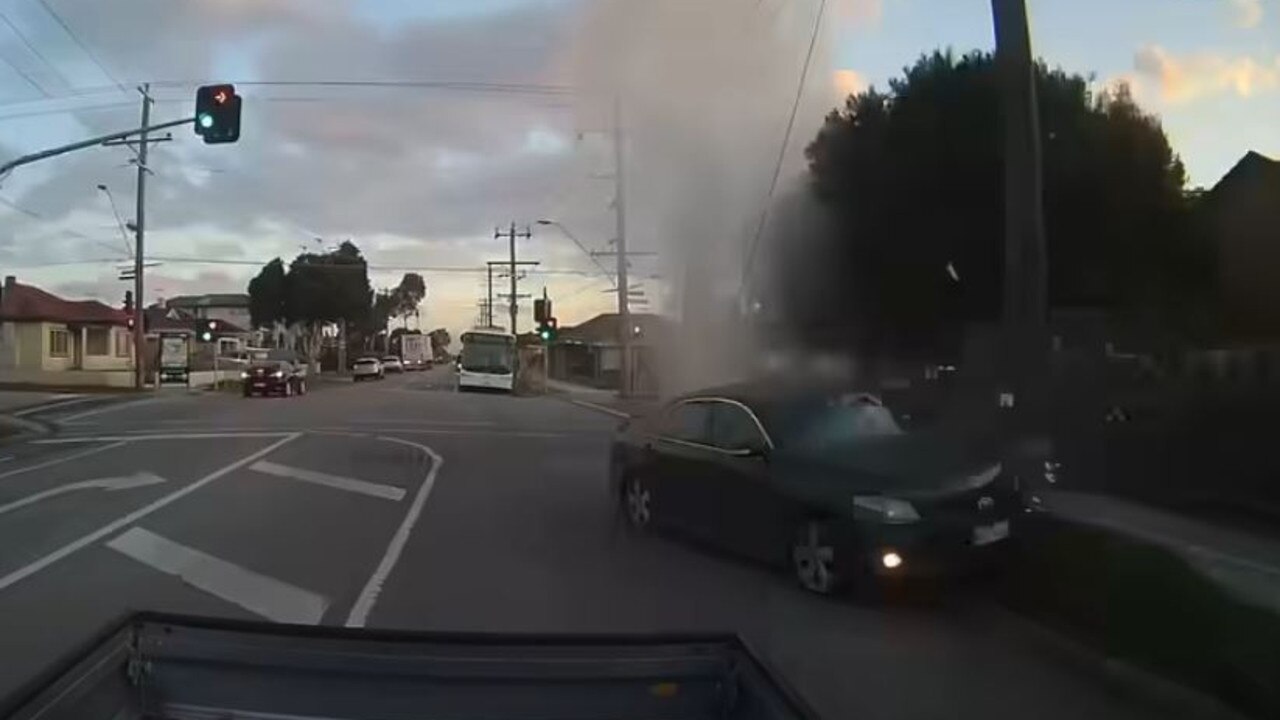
419, 177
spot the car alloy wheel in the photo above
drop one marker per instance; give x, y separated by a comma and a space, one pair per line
813, 558
639, 503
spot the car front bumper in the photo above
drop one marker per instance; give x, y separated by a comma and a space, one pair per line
929, 550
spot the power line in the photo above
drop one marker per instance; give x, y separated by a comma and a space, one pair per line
32, 48
466, 86
23, 74
754, 246
89, 53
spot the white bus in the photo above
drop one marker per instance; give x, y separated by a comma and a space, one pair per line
488, 360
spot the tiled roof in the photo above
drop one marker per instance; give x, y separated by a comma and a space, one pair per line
27, 303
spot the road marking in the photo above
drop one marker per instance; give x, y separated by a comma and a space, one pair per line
378, 490
126, 482
369, 595
6, 458
136, 515
109, 408
600, 408
490, 433
66, 458
146, 435
272, 599
74, 400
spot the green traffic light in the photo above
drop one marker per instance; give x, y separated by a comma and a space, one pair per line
206, 121
546, 334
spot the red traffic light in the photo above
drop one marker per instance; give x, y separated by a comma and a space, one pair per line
221, 96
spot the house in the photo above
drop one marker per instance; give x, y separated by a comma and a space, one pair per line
590, 353
1242, 217
232, 308
48, 340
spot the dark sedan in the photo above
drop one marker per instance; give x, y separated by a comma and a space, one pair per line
273, 377
828, 483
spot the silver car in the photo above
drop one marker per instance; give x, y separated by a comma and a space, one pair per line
367, 368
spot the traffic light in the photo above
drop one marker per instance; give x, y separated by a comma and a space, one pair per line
541, 310
210, 327
547, 329
217, 113
128, 302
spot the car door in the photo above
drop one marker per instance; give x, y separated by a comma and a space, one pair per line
672, 454
752, 516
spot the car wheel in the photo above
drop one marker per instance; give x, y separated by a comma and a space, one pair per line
288, 389
302, 387
637, 500
813, 559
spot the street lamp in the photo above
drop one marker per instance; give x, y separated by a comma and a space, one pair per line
577, 242
128, 247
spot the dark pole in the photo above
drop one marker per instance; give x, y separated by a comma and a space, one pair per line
140, 223
1025, 293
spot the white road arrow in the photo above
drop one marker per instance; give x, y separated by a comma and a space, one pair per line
138, 479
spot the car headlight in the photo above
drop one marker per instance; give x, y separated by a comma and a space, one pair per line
278, 374
888, 510
244, 375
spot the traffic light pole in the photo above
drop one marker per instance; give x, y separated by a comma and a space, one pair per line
139, 234
8, 167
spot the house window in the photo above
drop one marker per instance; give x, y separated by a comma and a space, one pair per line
97, 341
57, 343
122, 344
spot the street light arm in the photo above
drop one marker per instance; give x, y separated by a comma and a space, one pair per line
595, 261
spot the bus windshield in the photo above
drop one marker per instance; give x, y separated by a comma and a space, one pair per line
488, 353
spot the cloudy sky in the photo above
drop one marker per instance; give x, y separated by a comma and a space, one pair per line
475, 113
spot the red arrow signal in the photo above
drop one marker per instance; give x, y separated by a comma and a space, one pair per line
220, 97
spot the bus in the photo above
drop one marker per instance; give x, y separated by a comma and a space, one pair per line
488, 360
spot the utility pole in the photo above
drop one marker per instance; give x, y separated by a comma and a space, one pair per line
511, 236
140, 223
509, 264
620, 219
488, 305
1025, 295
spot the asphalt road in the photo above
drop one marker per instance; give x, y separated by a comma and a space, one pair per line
403, 504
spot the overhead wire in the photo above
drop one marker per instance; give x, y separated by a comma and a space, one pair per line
22, 37
85, 48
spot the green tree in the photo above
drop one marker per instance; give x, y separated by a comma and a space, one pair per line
267, 295
913, 177
408, 294
328, 288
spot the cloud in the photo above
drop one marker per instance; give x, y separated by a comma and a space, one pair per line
1246, 14
848, 82
1191, 77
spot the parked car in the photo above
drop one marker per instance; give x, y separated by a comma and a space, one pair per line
391, 363
273, 377
827, 483
367, 368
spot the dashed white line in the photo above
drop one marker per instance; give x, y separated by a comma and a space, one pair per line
73, 400
272, 599
600, 408
108, 408
148, 435
65, 458
111, 527
369, 595
362, 487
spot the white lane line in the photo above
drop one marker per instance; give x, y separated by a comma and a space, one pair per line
108, 408
272, 599
124, 482
363, 487
65, 458
6, 458
147, 435
600, 408
72, 400
369, 595
136, 515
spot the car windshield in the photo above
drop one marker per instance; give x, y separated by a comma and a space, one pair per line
615, 316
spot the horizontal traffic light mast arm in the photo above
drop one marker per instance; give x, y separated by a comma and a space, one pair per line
8, 167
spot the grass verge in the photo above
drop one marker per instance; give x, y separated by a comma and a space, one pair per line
1139, 603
